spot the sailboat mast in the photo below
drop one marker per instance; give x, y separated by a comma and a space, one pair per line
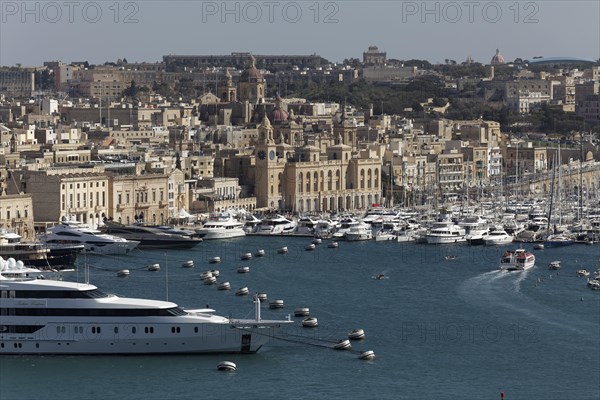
551, 195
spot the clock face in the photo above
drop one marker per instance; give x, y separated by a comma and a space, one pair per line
261, 155
271, 155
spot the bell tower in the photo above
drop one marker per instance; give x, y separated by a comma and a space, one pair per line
269, 170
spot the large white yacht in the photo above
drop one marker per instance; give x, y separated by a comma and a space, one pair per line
359, 231
221, 226
445, 232
497, 237
93, 240
475, 227
275, 225
43, 316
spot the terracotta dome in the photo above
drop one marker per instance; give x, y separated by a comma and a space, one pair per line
497, 59
279, 115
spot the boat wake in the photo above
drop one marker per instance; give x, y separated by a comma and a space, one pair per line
500, 292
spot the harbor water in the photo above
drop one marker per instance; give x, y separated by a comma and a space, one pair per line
444, 323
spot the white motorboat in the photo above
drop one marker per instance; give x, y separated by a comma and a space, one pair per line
583, 272
359, 231
343, 226
497, 237
93, 240
443, 232
554, 265
60, 317
310, 322
388, 231
275, 225
150, 237
305, 226
325, 228
517, 260
593, 284
475, 227
221, 226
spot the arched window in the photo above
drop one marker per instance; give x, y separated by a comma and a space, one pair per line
308, 182
300, 182
329, 180
322, 180
337, 180
362, 178
376, 185
369, 177
316, 183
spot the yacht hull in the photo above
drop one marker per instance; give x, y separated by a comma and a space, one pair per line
118, 338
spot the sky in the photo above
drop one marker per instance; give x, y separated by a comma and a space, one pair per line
32, 32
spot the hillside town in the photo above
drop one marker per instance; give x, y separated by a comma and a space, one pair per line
297, 134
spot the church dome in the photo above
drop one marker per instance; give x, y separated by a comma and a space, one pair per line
251, 73
279, 115
497, 59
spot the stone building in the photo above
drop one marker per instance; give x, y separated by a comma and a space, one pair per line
152, 198
16, 215
308, 179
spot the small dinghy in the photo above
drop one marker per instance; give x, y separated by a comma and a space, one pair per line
246, 256
262, 297
538, 246
317, 241
276, 304
282, 250
154, 267
301, 312
554, 265
356, 334
380, 276
343, 344
583, 272
209, 280
122, 273
224, 286
333, 245
215, 272
259, 253
215, 260
242, 291
367, 355
243, 270
310, 322
188, 264
310, 247
226, 366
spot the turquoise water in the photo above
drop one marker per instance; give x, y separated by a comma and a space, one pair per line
441, 329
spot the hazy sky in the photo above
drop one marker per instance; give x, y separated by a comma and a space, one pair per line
71, 30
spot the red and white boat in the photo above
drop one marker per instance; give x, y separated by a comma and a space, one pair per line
517, 260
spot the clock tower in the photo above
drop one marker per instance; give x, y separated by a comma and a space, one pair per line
269, 168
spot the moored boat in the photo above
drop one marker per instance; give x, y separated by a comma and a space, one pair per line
99, 323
